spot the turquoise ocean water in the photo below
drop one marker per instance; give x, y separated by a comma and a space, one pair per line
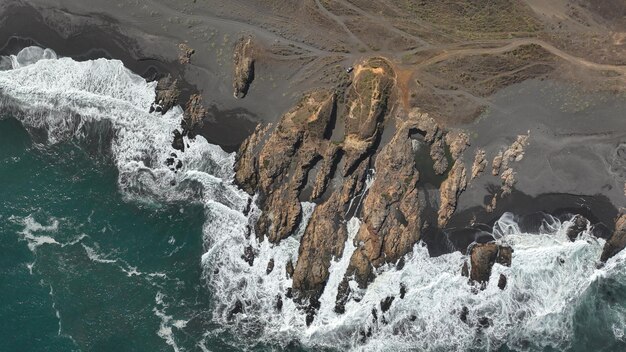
83, 268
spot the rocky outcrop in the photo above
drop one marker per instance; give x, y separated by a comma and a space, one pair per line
450, 191
480, 163
278, 164
617, 241
496, 164
578, 225
508, 181
276, 161
243, 63
515, 152
167, 94
366, 107
246, 162
390, 214
501, 166
178, 142
185, 53
457, 141
194, 114
482, 258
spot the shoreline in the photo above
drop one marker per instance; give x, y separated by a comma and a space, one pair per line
226, 128
229, 127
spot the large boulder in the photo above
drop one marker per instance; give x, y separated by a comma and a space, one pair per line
482, 258
243, 63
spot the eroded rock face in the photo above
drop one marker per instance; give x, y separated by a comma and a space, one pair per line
482, 258
167, 94
390, 215
243, 63
617, 241
294, 147
480, 163
194, 113
450, 191
276, 163
457, 141
366, 108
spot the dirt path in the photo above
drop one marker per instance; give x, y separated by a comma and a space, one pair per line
380, 21
342, 24
517, 43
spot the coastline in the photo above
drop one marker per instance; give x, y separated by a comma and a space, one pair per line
93, 38
274, 213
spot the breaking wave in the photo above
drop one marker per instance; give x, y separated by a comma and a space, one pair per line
428, 305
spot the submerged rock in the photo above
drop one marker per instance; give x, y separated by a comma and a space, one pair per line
385, 304
502, 282
248, 255
270, 266
617, 241
178, 143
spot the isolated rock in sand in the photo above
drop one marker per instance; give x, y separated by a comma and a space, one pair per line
617, 241
508, 181
450, 191
480, 163
243, 63
496, 164
185, 53
516, 151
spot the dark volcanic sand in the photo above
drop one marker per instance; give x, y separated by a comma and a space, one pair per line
576, 147
24, 26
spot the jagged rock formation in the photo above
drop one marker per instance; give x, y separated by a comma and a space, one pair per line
457, 141
167, 94
391, 216
278, 165
617, 241
450, 191
365, 109
305, 158
482, 258
496, 164
501, 166
243, 63
194, 113
480, 163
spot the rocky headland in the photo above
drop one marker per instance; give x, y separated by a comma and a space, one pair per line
388, 112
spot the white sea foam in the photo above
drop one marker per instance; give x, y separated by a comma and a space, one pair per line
548, 280
167, 322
